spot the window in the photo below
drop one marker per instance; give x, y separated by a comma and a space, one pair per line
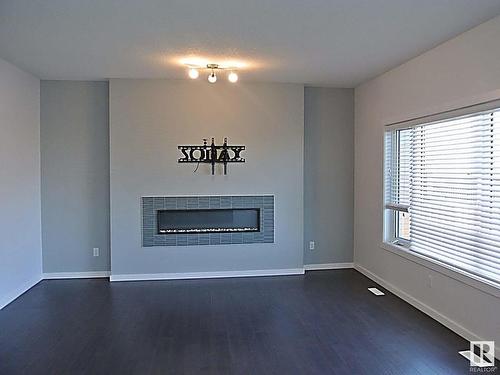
442, 190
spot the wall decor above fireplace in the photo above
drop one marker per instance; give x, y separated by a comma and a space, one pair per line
211, 154
207, 220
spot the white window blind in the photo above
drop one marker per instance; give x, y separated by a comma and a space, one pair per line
446, 175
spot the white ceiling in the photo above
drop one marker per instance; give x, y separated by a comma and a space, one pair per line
324, 42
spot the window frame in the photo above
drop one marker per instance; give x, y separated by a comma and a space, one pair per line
391, 214
401, 246
398, 239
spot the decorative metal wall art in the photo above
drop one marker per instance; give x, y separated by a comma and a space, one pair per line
212, 154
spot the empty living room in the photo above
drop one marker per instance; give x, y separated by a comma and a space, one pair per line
249, 187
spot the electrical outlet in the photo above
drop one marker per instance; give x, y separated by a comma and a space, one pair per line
311, 245
96, 251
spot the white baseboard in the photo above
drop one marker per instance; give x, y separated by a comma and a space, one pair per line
327, 266
75, 275
206, 275
4, 301
434, 314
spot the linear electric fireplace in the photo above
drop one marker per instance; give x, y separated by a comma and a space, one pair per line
221, 220
207, 220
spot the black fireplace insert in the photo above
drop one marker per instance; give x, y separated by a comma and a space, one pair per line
230, 220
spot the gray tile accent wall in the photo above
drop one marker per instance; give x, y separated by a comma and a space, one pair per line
150, 206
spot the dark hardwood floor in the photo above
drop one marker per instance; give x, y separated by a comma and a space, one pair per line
325, 322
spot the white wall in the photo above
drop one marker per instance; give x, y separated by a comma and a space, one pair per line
452, 74
150, 118
75, 175
20, 248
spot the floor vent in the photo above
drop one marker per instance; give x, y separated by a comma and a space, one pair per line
376, 291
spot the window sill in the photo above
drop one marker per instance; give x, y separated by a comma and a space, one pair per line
476, 282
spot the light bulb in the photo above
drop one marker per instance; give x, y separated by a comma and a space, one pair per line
212, 78
232, 77
193, 73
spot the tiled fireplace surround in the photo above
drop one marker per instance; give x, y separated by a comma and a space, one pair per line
150, 206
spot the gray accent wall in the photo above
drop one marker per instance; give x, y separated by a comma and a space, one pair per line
20, 247
75, 176
75, 161
328, 174
150, 118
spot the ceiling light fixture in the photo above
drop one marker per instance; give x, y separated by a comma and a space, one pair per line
194, 72
212, 78
232, 77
